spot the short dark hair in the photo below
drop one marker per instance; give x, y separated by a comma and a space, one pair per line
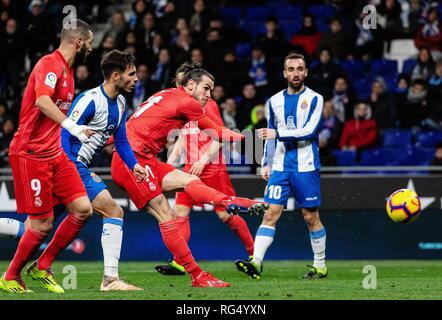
184, 68
116, 60
294, 55
75, 28
196, 75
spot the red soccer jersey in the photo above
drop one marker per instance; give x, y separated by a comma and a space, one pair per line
159, 116
37, 135
197, 142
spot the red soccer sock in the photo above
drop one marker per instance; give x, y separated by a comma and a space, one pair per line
183, 226
178, 247
201, 193
238, 225
66, 232
27, 247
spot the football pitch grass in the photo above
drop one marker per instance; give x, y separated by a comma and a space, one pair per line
396, 279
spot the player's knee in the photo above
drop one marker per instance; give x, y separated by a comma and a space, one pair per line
114, 210
82, 211
311, 216
43, 227
271, 217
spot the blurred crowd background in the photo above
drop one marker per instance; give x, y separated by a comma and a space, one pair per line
382, 84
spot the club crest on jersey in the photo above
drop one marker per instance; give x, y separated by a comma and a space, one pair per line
290, 123
152, 186
37, 202
51, 80
95, 177
304, 104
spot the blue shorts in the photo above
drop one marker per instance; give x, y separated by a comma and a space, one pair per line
92, 182
305, 186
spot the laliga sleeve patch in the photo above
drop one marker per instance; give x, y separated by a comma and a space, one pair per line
51, 80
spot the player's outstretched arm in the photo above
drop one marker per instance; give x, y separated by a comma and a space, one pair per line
218, 132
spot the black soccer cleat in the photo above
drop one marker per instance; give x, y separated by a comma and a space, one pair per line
250, 268
171, 269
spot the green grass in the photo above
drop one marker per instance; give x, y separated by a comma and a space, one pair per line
396, 279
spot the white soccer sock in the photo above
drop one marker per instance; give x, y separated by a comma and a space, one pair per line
111, 240
317, 239
10, 228
263, 240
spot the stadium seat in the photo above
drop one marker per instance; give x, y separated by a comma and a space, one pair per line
231, 15
400, 50
243, 50
254, 29
322, 25
408, 66
322, 11
412, 156
376, 157
257, 14
397, 139
345, 157
381, 67
287, 13
428, 138
353, 68
362, 86
289, 28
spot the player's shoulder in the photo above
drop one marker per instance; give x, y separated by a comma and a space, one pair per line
312, 93
277, 98
50, 60
88, 96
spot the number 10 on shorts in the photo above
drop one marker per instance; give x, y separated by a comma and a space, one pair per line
275, 192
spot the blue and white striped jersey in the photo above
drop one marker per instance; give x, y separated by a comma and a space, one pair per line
296, 118
106, 117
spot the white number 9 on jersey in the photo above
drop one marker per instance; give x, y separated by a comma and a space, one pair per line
36, 186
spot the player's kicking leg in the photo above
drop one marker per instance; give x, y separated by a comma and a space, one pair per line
263, 239
317, 239
111, 240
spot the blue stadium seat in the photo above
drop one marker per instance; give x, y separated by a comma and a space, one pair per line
380, 67
397, 138
243, 50
254, 29
289, 28
345, 157
428, 138
353, 67
257, 14
408, 66
412, 156
288, 13
231, 15
376, 157
322, 25
322, 11
362, 86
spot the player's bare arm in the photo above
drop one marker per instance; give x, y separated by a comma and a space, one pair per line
198, 167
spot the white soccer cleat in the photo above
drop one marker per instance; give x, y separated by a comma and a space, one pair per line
119, 285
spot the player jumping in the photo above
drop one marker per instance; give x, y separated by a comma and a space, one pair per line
293, 118
43, 174
147, 133
203, 159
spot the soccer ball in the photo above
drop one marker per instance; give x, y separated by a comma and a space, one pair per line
403, 206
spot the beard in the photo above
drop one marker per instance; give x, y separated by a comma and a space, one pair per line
202, 102
296, 87
81, 55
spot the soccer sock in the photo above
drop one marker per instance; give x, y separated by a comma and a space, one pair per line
201, 193
111, 239
317, 239
178, 247
66, 232
263, 240
183, 226
10, 228
27, 247
238, 225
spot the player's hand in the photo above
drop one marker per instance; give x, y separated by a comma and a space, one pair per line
232, 136
197, 168
83, 133
266, 133
140, 172
265, 173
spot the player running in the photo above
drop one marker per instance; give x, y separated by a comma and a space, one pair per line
147, 133
43, 174
293, 165
103, 109
203, 159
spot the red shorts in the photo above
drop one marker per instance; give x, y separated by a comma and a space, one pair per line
219, 181
40, 184
140, 192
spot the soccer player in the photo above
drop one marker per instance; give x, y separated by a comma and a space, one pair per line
147, 132
293, 118
203, 159
103, 109
43, 174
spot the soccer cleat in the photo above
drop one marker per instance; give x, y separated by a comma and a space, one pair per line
238, 205
45, 277
14, 286
119, 285
171, 269
315, 273
250, 268
206, 280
